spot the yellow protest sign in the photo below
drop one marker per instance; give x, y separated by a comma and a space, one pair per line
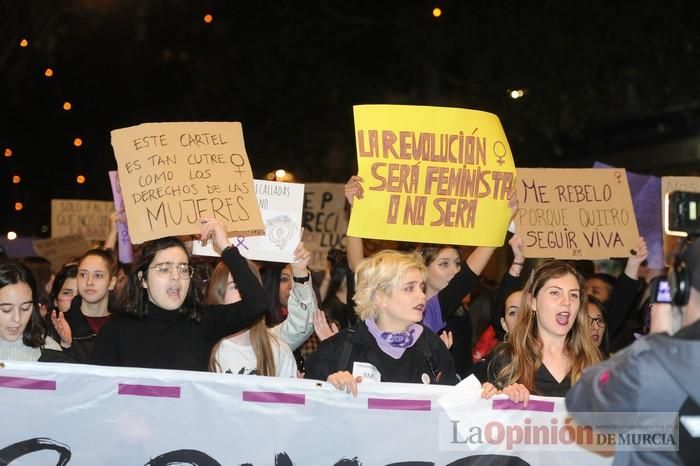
431, 174
575, 213
172, 174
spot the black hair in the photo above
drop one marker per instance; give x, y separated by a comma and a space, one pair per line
604, 277
271, 274
13, 273
134, 299
339, 270
66, 272
40, 268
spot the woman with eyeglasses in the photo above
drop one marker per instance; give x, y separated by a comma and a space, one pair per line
164, 323
596, 320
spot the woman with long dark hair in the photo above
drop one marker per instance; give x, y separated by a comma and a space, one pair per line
22, 332
164, 323
551, 344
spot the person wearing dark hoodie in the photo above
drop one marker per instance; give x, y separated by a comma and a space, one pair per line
91, 309
658, 373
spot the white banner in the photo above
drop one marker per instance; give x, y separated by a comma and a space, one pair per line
280, 208
89, 415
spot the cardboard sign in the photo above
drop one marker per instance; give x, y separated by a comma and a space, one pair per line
668, 185
436, 175
89, 218
126, 253
61, 250
173, 174
645, 191
575, 213
280, 206
325, 221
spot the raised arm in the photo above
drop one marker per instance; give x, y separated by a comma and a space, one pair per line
298, 325
355, 248
226, 319
510, 282
625, 289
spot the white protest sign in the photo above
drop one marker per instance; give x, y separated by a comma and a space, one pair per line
280, 207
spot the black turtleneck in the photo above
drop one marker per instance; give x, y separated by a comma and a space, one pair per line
169, 340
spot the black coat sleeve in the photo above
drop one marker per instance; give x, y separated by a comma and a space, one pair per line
450, 297
324, 361
225, 319
618, 305
443, 357
106, 348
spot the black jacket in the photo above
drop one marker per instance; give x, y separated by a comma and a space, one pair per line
164, 339
83, 336
427, 356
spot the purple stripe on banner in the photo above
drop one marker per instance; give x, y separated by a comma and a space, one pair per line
274, 397
532, 405
398, 405
27, 384
149, 390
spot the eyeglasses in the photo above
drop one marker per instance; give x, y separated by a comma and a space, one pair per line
598, 320
165, 269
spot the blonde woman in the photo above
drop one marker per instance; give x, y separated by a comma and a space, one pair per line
550, 345
389, 344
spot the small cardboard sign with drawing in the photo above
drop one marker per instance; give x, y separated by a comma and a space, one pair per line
173, 174
575, 213
280, 206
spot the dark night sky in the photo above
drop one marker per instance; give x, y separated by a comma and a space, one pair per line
600, 77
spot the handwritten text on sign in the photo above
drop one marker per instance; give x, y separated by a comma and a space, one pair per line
427, 167
172, 174
575, 213
88, 218
325, 221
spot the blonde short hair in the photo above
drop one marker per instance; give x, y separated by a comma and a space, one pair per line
382, 272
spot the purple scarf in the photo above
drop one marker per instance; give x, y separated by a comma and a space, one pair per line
394, 344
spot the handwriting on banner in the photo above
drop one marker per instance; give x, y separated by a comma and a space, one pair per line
453, 190
25, 448
575, 213
172, 174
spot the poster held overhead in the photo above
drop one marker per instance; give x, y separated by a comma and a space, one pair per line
575, 213
280, 206
431, 174
173, 174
